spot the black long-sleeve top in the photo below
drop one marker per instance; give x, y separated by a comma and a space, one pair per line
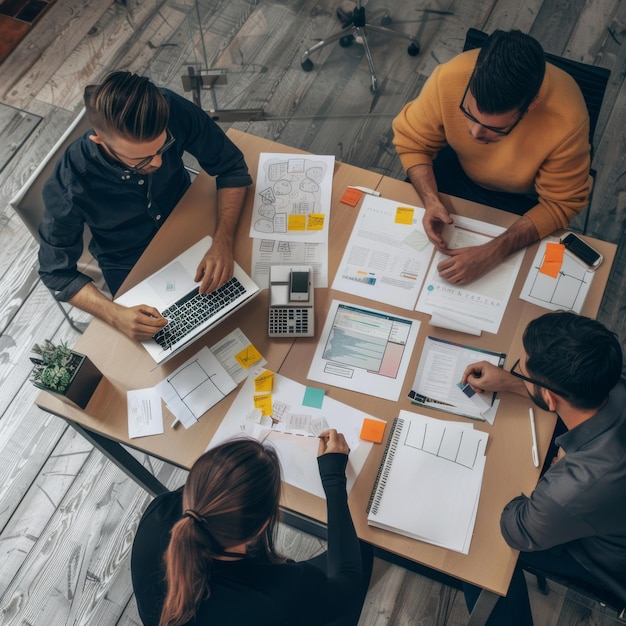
124, 209
251, 590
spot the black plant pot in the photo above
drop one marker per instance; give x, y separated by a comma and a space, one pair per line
82, 385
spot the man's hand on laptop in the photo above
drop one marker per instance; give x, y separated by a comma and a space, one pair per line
216, 267
138, 322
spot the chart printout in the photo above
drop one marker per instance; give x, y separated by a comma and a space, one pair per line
364, 350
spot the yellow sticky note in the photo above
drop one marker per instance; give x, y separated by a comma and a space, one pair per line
373, 430
263, 401
296, 222
552, 259
315, 221
264, 381
248, 356
404, 215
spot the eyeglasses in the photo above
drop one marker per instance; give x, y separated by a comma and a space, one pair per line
169, 142
502, 132
532, 381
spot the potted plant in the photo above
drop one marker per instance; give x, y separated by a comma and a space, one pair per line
62, 371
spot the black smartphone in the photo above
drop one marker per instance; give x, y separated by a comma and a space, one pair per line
582, 250
299, 286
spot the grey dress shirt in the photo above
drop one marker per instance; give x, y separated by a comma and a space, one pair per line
580, 502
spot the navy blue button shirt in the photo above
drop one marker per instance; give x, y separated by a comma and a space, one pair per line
123, 209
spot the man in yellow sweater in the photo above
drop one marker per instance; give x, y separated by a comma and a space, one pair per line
501, 127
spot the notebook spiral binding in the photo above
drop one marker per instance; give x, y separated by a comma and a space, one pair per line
385, 466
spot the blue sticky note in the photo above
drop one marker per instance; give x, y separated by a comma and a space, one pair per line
313, 397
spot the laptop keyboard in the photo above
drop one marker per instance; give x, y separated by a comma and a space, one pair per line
194, 309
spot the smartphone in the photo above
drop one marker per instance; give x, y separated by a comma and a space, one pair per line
582, 251
299, 284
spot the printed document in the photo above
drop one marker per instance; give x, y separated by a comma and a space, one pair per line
439, 374
292, 197
481, 304
293, 430
364, 350
388, 253
268, 252
567, 291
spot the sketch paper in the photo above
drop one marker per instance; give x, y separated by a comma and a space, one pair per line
483, 302
292, 197
268, 252
433, 472
145, 416
364, 350
197, 385
388, 253
439, 372
295, 434
565, 292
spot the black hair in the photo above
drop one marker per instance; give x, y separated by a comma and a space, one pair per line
575, 354
128, 105
508, 72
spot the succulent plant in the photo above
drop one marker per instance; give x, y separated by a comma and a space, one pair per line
54, 365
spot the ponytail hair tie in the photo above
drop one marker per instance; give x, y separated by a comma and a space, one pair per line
195, 516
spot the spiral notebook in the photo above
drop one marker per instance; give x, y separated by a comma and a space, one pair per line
429, 481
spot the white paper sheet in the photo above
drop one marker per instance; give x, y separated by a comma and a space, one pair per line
225, 351
565, 292
297, 450
145, 415
386, 260
439, 373
197, 385
483, 302
268, 252
432, 487
364, 350
288, 186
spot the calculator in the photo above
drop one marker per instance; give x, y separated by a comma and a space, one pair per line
291, 309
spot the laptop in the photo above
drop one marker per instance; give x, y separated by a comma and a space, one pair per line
173, 291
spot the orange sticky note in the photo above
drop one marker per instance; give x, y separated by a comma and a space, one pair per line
373, 430
248, 356
404, 215
315, 221
264, 381
552, 259
264, 402
351, 196
296, 222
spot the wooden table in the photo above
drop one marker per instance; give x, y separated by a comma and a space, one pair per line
126, 365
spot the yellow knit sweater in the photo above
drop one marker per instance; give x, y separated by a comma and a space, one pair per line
548, 152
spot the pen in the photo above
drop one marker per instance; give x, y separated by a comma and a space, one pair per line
177, 420
533, 432
372, 192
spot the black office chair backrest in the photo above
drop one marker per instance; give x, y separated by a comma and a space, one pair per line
591, 79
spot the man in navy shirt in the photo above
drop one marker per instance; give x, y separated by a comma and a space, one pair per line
123, 179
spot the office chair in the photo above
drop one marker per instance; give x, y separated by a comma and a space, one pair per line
354, 28
591, 79
29, 206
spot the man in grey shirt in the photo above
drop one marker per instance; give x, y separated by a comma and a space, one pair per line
574, 523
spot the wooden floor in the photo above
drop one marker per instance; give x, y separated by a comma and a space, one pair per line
67, 516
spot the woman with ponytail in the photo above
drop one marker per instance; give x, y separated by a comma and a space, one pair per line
204, 554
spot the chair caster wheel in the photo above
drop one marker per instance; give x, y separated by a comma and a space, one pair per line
307, 65
386, 20
347, 41
413, 50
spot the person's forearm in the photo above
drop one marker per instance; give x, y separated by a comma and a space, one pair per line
521, 234
91, 300
422, 178
229, 204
